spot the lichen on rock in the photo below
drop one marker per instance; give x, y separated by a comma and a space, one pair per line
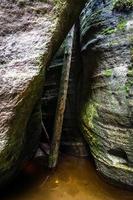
107, 73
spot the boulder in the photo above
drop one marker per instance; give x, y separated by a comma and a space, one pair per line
30, 33
107, 113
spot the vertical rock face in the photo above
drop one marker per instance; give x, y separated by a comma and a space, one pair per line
107, 115
30, 33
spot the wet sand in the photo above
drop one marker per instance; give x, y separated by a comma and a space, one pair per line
74, 179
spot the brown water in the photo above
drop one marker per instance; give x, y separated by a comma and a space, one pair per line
74, 179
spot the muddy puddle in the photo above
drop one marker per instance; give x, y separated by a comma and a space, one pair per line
74, 179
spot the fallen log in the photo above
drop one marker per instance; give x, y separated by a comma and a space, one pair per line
61, 104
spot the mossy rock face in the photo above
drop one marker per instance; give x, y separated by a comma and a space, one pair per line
107, 114
30, 32
123, 5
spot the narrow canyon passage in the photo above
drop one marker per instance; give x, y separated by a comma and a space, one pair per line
74, 178
65, 105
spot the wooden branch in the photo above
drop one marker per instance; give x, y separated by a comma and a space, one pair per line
45, 131
61, 104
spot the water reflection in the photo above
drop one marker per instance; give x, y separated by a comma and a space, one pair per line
73, 179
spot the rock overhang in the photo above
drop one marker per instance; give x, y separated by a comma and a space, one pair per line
30, 34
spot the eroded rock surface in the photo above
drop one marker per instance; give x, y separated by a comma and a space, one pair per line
107, 117
30, 32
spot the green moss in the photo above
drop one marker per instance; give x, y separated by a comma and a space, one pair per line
59, 3
113, 43
130, 73
130, 38
128, 85
109, 31
122, 24
131, 52
89, 113
120, 27
89, 127
122, 5
92, 139
108, 72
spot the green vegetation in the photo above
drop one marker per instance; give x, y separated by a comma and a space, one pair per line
122, 24
59, 3
128, 85
122, 5
131, 52
130, 73
109, 31
120, 27
107, 72
91, 112
89, 128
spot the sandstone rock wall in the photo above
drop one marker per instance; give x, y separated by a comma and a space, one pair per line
107, 51
30, 33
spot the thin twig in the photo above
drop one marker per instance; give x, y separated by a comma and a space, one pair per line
45, 131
